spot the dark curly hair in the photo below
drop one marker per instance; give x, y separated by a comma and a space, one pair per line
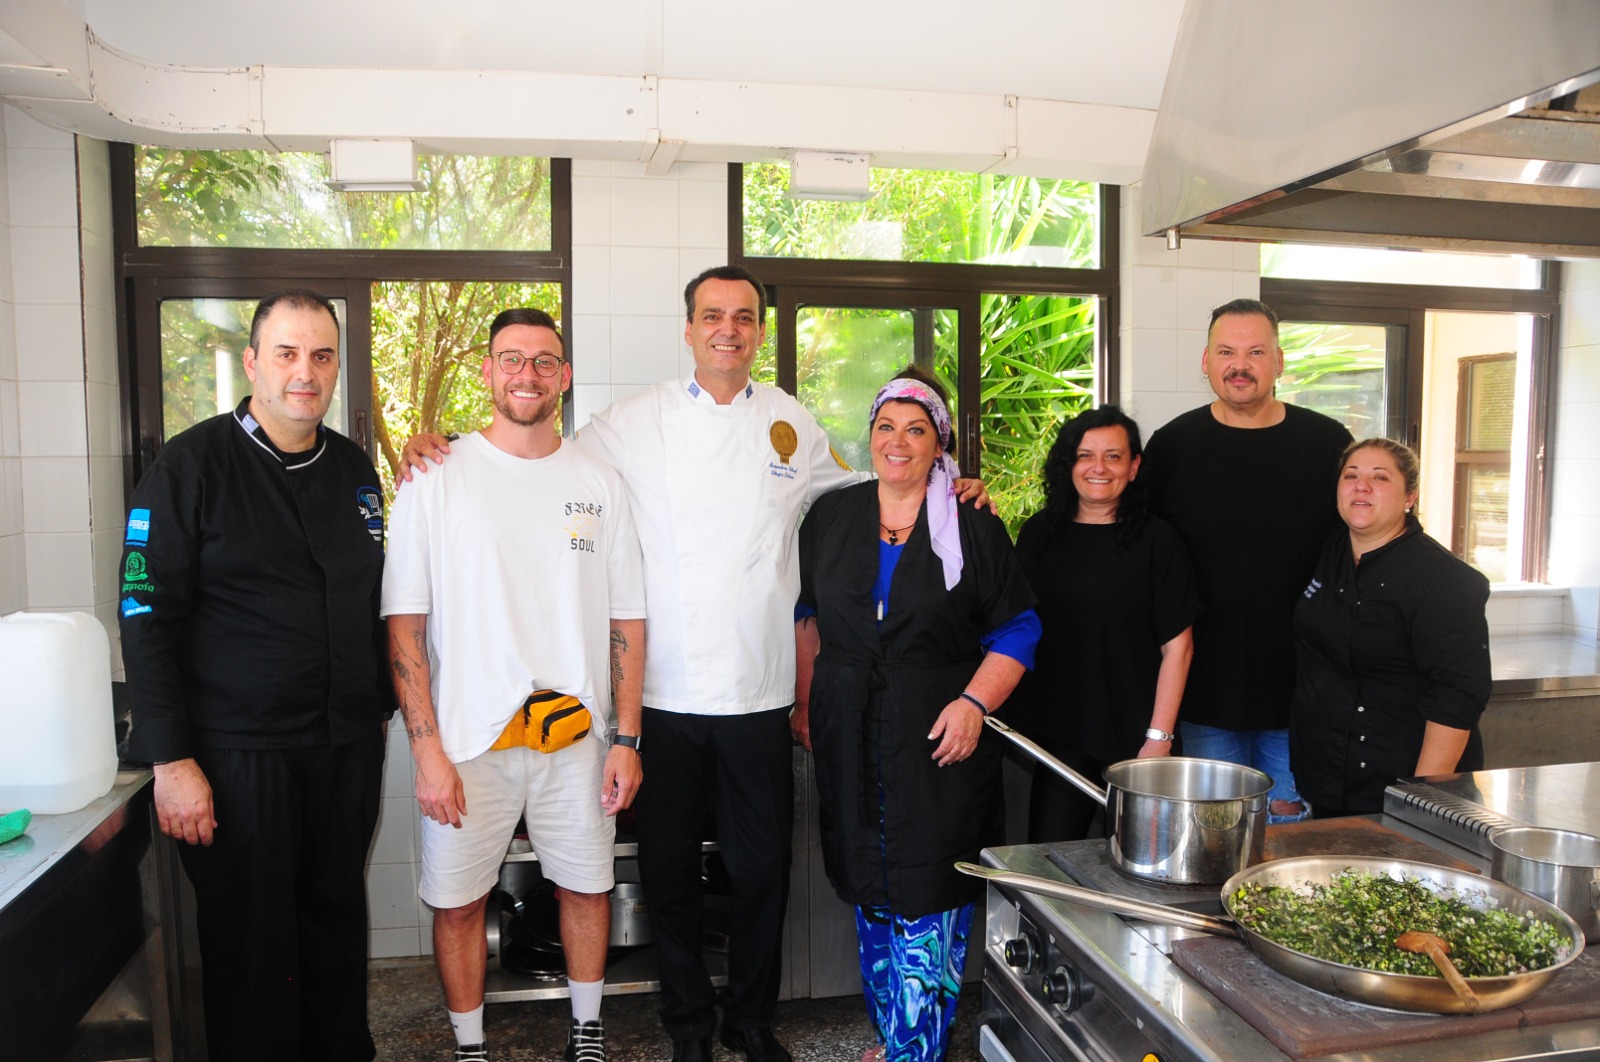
1061, 497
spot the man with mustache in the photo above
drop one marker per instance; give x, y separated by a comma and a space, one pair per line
1248, 481
257, 670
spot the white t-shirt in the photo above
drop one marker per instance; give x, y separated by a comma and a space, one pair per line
519, 565
717, 493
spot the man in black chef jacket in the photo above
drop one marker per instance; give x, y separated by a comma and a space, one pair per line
251, 572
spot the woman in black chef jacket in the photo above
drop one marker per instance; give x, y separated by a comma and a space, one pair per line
1392, 646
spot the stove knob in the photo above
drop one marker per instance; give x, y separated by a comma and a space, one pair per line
1066, 989
1021, 952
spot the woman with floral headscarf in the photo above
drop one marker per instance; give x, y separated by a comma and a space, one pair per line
915, 623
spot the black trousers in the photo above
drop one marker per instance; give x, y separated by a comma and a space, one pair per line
1058, 810
742, 767
282, 901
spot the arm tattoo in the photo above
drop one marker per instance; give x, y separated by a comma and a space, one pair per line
619, 646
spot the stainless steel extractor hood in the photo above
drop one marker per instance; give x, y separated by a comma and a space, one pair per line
1461, 124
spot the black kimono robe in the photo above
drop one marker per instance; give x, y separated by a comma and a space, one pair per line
893, 820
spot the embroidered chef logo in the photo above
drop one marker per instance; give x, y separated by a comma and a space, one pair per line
583, 525
138, 528
135, 574
132, 607
1311, 589
370, 504
784, 439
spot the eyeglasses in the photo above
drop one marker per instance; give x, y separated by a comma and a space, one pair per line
512, 361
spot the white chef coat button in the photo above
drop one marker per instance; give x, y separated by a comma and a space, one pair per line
1361, 707
1362, 765
1363, 737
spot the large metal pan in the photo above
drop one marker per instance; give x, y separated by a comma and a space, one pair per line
1429, 995
1173, 818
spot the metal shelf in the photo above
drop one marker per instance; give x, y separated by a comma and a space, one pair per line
631, 973
520, 851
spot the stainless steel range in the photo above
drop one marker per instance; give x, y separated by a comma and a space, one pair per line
1063, 981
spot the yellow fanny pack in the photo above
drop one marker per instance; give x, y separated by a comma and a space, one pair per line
548, 721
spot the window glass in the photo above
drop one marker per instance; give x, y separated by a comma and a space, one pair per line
1337, 369
1379, 265
1038, 370
191, 198
928, 216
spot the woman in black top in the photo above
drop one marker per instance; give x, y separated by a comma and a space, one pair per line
1392, 646
1117, 602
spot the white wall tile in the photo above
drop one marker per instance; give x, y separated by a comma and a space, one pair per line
100, 345
701, 171
591, 280
45, 265
94, 187
1150, 363
590, 168
587, 400
8, 320
1578, 429
590, 339
692, 261
397, 765
1575, 484
10, 496
44, 187
393, 943
99, 277
1247, 258
1574, 560
49, 342
60, 571
1580, 318
644, 212
55, 494
627, 169
1540, 615
1199, 292
10, 419
1245, 286
591, 210
107, 565
104, 417
107, 510
1205, 254
1150, 297
392, 895
395, 839
703, 215
52, 420
13, 574
7, 272
22, 131
645, 349
644, 280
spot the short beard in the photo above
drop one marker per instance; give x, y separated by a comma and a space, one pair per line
540, 415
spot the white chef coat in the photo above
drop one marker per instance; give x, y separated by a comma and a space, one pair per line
717, 508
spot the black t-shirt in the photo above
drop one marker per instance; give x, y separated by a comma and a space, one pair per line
1254, 506
1106, 611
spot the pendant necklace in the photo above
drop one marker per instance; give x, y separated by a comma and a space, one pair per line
894, 532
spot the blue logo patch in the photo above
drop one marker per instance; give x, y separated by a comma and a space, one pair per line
138, 528
370, 503
131, 607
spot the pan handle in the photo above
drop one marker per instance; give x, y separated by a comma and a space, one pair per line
1150, 912
1035, 750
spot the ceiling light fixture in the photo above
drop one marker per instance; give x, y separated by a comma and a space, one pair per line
373, 166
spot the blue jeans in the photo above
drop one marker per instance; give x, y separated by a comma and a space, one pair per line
1265, 750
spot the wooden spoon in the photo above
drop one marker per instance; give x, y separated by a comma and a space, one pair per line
1437, 948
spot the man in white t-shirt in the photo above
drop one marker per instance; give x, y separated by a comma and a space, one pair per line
514, 592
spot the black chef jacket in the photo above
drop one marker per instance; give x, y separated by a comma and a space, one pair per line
250, 589
1384, 648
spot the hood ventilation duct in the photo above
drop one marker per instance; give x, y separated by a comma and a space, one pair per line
1381, 124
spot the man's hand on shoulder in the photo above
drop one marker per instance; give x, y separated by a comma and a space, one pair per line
420, 449
183, 802
972, 490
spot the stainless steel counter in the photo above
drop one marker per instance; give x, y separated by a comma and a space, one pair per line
1544, 663
1563, 796
80, 933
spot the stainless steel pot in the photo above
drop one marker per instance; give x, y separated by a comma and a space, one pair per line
1561, 866
630, 918
1429, 995
1173, 818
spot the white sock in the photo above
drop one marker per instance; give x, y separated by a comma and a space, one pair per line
468, 1026
586, 998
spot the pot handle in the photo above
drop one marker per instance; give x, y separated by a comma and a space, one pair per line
1035, 750
1150, 912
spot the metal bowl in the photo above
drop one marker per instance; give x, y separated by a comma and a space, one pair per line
1409, 992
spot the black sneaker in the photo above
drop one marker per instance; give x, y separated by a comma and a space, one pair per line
471, 1053
586, 1042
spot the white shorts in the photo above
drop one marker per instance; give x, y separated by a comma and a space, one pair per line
570, 832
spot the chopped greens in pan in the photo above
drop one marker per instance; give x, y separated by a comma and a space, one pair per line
1354, 920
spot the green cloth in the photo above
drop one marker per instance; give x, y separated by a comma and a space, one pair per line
14, 825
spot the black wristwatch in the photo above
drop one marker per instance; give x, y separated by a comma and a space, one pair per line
627, 741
